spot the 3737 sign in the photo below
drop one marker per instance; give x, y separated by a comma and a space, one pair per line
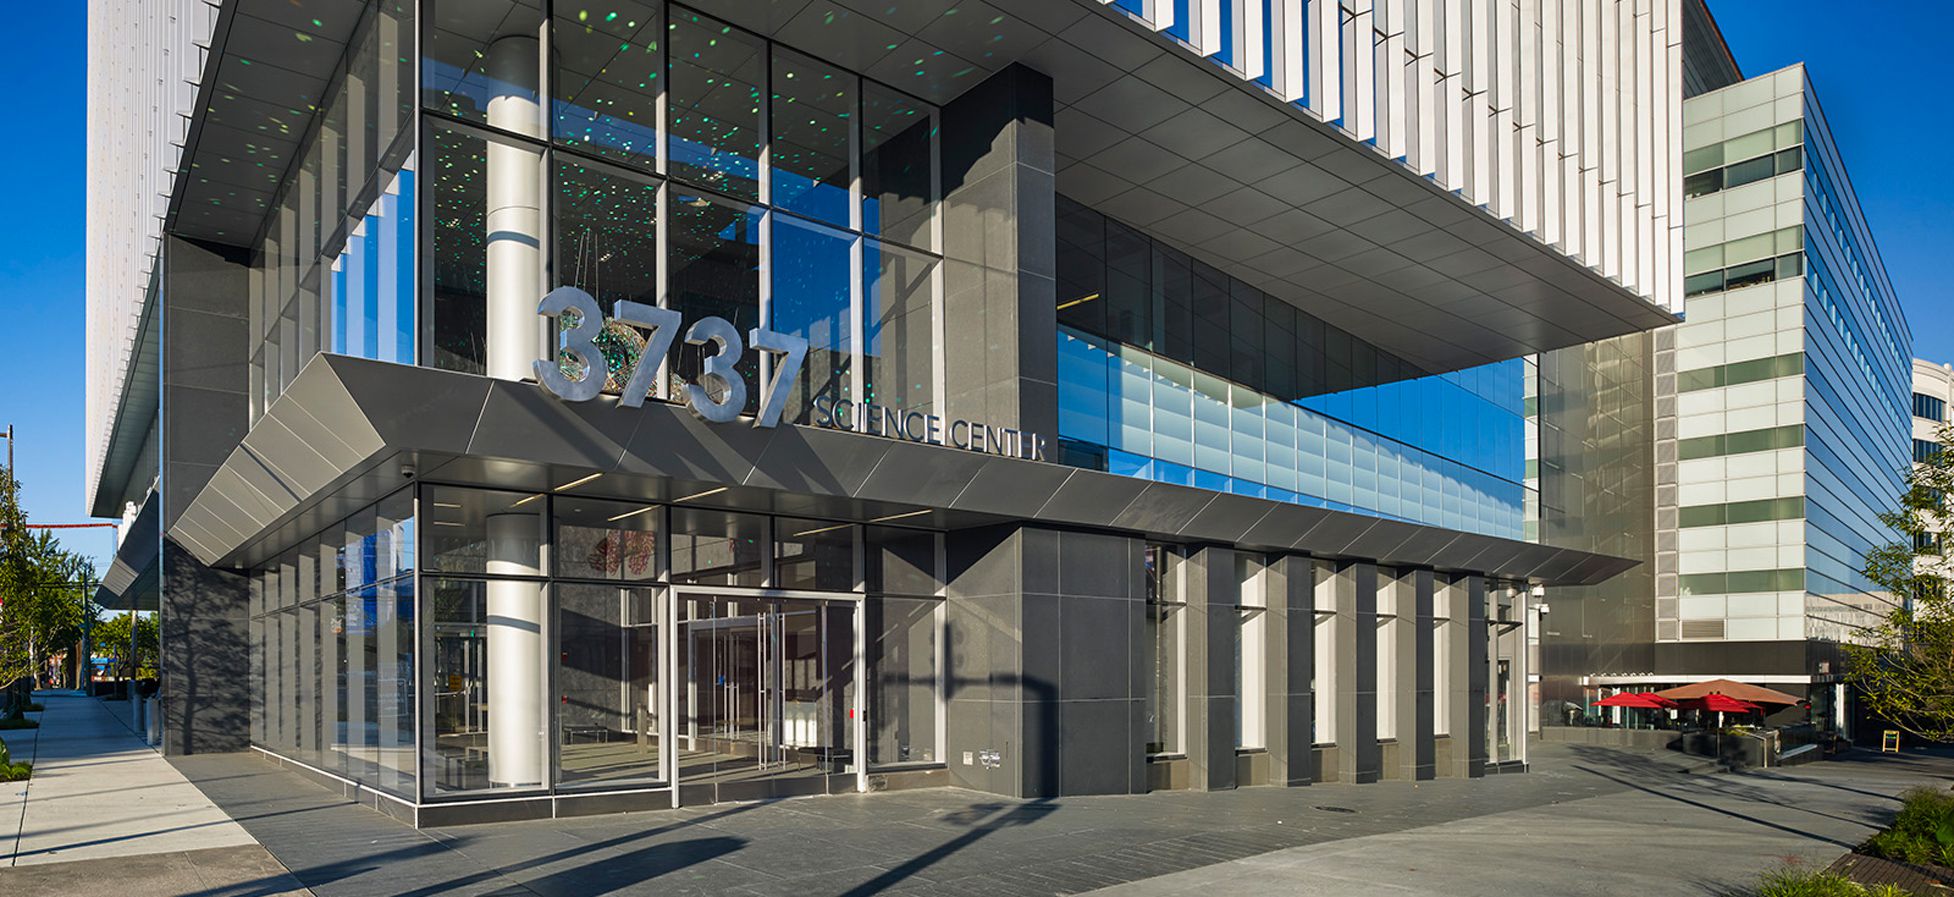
717, 394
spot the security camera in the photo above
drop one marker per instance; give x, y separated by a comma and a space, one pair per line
407, 471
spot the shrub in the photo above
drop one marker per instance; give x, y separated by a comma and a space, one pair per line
11, 771
22, 723
1807, 883
1923, 832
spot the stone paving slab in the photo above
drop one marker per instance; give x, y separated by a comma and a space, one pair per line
938, 841
98, 792
246, 871
1707, 835
1537, 833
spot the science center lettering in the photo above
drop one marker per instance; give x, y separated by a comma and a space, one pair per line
582, 368
915, 426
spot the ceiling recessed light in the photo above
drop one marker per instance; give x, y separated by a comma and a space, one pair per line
825, 529
702, 494
523, 501
578, 482
899, 516
635, 513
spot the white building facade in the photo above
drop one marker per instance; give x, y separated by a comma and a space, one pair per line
1782, 401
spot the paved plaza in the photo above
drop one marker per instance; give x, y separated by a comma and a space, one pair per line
105, 810
1587, 820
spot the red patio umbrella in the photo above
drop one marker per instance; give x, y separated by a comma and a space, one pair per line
1638, 699
1720, 703
1756, 694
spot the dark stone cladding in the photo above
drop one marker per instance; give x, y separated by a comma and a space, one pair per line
347, 430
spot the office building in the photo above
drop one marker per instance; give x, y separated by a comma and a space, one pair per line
570, 408
1933, 390
1782, 407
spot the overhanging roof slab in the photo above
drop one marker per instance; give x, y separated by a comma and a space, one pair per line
274, 490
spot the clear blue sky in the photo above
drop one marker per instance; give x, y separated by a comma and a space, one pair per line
1877, 76
1879, 70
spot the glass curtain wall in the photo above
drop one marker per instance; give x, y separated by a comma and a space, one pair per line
1171, 370
1163, 650
544, 658
334, 619
776, 192
1506, 683
1251, 653
334, 268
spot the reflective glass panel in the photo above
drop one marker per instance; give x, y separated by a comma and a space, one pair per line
715, 271
481, 531
715, 104
608, 73
814, 554
485, 684
717, 547
606, 236
811, 287
480, 61
598, 539
811, 137
609, 703
898, 193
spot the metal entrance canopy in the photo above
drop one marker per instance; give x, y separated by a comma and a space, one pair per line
348, 431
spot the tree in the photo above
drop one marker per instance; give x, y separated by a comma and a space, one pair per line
1903, 664
43, 597
111, 637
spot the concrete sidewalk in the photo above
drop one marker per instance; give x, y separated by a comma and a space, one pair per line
108, 807
1710, 835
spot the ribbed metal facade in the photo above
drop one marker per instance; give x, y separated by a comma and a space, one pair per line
1560, 118
145, 59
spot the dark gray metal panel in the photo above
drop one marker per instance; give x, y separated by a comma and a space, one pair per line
1227, 518
920, 476
1423, 545
291, 459
1163, 508
317, 408
1090, 495
1382, 540
1502, 558
134, 558
1557, 565
671, 442
819, 462
520, 421
1334, 536
1596, 568
1455, 555
1008, 486
1283, 525
424, 408
257, 507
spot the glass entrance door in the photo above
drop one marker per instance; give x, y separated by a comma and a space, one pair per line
766, 697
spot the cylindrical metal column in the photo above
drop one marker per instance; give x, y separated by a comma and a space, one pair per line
514, 215
515, 652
